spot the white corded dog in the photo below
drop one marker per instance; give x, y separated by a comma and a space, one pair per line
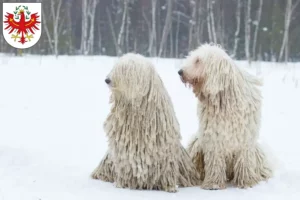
225, 147
144, 136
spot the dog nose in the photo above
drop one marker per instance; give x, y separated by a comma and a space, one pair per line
180, 72
107, 81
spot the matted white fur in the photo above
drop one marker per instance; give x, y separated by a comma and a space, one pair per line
229, 110
144, 135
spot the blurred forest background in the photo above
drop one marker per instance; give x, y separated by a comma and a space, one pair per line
267, 30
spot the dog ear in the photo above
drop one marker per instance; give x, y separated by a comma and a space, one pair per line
199, 66
219, 73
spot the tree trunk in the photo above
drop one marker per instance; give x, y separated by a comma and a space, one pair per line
260, 53
55, 16
212, 20
45, 27
238, 27
272, 56
153, 43
248, 31
91, 14
201, 31
256, 29
111, 25
135, 45
2, 44
167, 28
127, 49
171, 43
223, 42
192, 23
84, 27
209, 28
99, 38
69, 27
158, 26
219, 27
177, 35
149, 31
287, 20
200, 23
122, 29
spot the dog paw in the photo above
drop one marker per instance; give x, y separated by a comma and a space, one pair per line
213, 186
102, 178
246, 185
171, 189
118, 185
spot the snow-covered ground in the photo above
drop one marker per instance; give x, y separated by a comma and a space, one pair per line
51, 137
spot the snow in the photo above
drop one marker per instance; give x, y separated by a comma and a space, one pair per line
255, 22
51, 137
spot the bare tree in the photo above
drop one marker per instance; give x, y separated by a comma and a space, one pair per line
287, 20
2, 44
211, 22
212, 17
54, 16
220, 23
135, 44
99, 38
200, 23
113, 32
167, 28
69, 27
149, 29
91, 13
128, 22
88, 26
152, 42
248, 31
158, 25
256, 29
84, 28
210, 37
192, 24
171, 44
57, 25
122, 29
177, 35
45, 27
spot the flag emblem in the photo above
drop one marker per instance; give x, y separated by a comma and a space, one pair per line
22, 24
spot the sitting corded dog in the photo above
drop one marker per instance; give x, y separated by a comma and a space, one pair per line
144, 135
229, 110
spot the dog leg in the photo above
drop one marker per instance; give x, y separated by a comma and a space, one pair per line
229, 166
105, 170
196, 154
168, 179
262, 165
215, 170
246, 172
188, 174
160, 177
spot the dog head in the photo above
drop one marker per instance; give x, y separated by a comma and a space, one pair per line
208, 70
130, 77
